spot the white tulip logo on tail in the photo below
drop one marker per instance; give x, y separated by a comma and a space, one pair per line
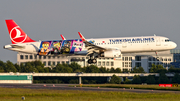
16, 36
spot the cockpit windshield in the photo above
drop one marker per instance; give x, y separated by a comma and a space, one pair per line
167, 40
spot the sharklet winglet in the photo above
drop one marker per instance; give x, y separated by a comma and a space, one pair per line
81, 36
62, 37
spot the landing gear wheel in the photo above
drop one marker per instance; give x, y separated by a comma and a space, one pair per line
89, 61
94, 61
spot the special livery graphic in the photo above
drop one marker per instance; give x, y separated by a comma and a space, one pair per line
44, 48
56, 46
77, 45
60, 47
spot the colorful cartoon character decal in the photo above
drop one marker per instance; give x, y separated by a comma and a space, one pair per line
77, 45
44, 49
92, 41
66, 47
56, 46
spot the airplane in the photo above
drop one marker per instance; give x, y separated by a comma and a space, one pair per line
94, 48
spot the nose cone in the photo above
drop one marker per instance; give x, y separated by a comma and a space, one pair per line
174, 45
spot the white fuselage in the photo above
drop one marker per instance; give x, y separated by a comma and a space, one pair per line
124, 44
136, 44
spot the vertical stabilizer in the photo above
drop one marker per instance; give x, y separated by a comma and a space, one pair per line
17, 35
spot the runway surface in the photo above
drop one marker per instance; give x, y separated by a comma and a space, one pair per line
66, 87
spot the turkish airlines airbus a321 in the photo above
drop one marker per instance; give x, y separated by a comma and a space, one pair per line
101, 47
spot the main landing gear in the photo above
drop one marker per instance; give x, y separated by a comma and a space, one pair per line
90, 61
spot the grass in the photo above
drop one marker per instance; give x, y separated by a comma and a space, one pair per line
15, 94
151, 87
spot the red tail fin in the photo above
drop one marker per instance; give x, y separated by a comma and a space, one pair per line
17, 35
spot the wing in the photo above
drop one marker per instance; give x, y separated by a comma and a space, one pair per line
91, 47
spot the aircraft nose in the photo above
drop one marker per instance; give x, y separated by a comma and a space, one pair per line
174, 45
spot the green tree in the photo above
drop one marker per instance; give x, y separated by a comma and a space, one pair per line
91, 69
174, 70
136, 80
28, 68
47, 69
153, 68
150, 79
176, 78
1, 69
77, 71
75, 67
163, 78
22, 66
37, 63
74, 81
40, 69
103, 70
35, 70
127, 81
65, 64
138, 70
115, 80
160, 68
3, 65
112, 70
17, 67
125, 71
10, 67
157, 69
61, 69
118, 70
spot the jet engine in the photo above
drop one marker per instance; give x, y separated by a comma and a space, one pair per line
111, 53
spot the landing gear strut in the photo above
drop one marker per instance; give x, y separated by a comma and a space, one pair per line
157, 56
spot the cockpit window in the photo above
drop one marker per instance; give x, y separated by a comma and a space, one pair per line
167, 40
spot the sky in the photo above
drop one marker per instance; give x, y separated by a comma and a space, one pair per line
47, 19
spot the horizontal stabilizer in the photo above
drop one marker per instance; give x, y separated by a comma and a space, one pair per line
17, 46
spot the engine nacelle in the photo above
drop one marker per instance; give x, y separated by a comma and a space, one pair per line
112, 53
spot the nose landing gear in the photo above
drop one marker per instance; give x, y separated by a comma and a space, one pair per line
157, 56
